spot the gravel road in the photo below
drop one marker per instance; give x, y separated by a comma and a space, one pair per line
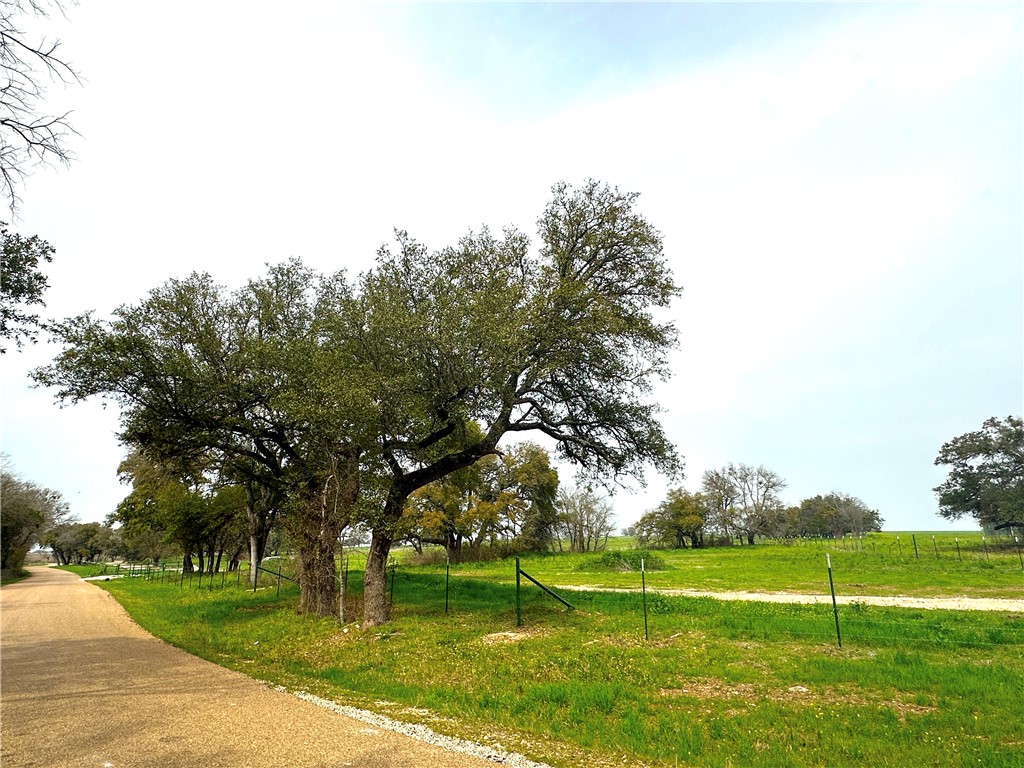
898, 601
83, 685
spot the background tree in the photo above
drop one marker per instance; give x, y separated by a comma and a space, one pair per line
986, 473
835, 514
27, 510
75, 543
507, 499
721, 498
197, 514
681, 516
758, 504
585, 519
21, 285
28, 136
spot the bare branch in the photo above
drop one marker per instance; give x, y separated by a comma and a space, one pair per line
28, 137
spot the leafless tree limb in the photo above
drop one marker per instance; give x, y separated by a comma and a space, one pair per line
27, 137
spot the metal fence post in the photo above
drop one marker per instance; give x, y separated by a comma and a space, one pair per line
519, 609
832, 589
643, 588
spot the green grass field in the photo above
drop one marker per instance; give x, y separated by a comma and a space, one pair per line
878, 565
717, 684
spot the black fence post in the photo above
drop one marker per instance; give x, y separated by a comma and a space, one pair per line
519, 607
835, 608
643, 588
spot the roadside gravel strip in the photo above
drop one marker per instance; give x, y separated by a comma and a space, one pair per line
82, 685
896, 601
424, 734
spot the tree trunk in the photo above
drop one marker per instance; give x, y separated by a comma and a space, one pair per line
323, 512
376, 607
318, 593
750, 539
261, 520
186, 563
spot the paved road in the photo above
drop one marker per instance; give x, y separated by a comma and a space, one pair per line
82, 685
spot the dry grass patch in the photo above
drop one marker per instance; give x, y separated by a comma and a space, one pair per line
502, 638
713, 688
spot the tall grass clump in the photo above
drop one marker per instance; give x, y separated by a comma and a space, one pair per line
622, 561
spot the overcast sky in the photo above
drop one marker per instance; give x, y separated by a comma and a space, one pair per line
838, 186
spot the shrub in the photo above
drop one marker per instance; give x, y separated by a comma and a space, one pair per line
624, 560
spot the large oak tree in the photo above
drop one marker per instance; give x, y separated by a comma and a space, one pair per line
564, 342
350, 398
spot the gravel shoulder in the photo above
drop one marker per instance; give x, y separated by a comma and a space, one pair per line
897, 601
82, 685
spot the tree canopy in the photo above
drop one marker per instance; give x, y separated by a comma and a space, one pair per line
349, 397
986, 473
22, 284
27, 511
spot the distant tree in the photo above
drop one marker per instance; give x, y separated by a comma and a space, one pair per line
21, 285
721, 497
681, 516
197, 514
986, 473
27, 510
28, 136
76, 543
744, 500
585, 519
835, 514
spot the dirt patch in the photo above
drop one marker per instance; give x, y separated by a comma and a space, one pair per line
896, 601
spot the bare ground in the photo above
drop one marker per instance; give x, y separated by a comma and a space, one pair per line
898, 601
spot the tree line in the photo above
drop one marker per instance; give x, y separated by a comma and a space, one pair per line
328, 402
741, 501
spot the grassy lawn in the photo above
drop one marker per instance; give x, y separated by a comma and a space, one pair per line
717, 683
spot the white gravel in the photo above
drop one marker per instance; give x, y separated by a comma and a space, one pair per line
422, 733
